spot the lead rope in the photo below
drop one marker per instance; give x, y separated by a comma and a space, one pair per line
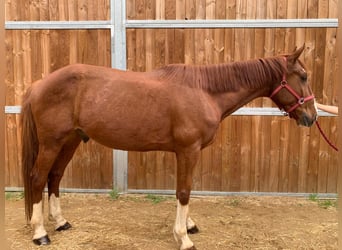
325, 137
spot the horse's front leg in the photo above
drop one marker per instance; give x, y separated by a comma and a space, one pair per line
186, 161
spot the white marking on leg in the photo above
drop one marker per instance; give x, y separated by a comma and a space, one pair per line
190, 223
180, 229
55, 211
37, 221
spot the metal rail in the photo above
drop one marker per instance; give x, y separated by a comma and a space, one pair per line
194, 193
56, 25
242, 23
173, 24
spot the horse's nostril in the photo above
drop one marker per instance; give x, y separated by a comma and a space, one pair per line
307, 121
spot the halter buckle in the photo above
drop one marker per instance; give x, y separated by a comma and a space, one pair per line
301, 101
283, 83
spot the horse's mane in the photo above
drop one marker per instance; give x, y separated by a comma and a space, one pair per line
226, 77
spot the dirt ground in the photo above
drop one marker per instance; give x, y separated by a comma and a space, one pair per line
146, 222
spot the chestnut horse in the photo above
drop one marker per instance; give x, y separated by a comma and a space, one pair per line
176, 108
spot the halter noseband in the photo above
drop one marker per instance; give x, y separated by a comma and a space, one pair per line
300, 100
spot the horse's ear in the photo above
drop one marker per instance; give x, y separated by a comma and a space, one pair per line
296, 54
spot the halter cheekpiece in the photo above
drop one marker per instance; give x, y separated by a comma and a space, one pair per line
300, 100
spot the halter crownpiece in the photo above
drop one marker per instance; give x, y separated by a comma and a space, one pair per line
300, 100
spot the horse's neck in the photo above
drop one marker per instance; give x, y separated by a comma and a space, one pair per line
229, 102
235, 92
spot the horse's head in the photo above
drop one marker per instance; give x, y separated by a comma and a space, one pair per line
293, 94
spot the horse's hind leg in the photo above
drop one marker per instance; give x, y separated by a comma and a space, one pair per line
54, 178
39, 174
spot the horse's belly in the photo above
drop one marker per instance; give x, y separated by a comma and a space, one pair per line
133, 139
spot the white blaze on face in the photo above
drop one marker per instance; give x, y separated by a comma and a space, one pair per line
37, 221
180, 229
55, 211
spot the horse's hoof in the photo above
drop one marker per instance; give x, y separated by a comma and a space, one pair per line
191, 248
193, 230
66, 226
42, 241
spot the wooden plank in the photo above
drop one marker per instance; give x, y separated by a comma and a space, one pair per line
304, 150
235, 151
170, 9
50, 11
264, 153
256, 168
229, 36
82, 10
91, 8
239, 53
189, 48
132, 171
225, 128
283, 157
10, 137
274, 162
12, 158
72, 10
63, 14
323, 159
11, 11
160, 9
149, 36
332, 165
246, 152
33, 12
259, 40
170, 170
293, 157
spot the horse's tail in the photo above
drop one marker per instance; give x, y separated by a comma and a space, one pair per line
29, 150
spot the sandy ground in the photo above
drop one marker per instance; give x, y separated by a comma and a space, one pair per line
146, 222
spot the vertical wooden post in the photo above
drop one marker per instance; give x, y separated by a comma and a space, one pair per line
2, 125
339, 185
118, 47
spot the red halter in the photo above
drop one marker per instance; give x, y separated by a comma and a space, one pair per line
300, 100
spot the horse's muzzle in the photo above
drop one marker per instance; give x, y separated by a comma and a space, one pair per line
306, 120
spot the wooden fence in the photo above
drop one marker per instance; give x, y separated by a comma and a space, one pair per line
251, 153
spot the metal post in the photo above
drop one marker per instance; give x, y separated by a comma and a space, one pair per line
118, 50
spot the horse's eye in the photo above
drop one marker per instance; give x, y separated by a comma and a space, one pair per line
304, 78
